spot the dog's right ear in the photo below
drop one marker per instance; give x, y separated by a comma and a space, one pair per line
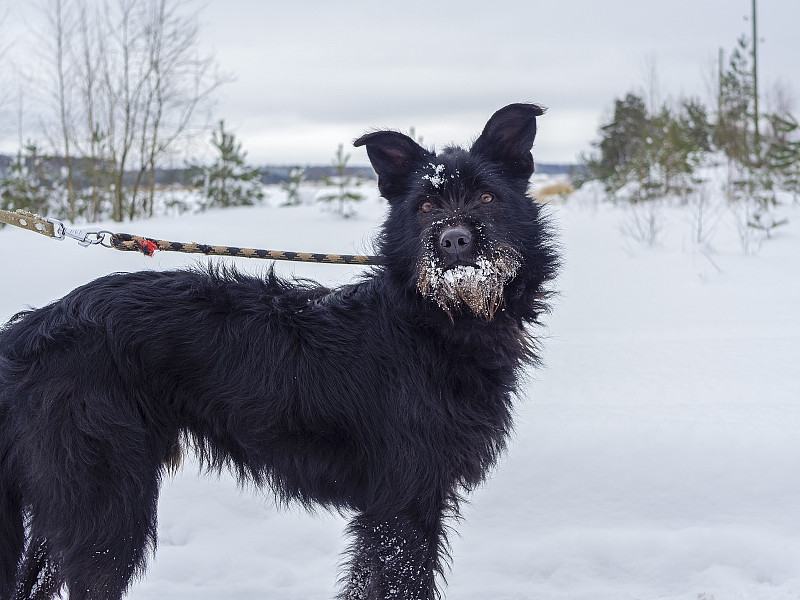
393, 155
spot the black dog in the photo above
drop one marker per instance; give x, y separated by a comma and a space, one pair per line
388, 398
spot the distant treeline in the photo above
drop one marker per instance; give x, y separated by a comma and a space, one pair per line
270, 174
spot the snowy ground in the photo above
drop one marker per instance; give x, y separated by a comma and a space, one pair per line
655, 456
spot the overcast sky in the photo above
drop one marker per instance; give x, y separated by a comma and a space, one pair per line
312, 74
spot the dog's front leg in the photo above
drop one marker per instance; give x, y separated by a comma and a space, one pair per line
393, 558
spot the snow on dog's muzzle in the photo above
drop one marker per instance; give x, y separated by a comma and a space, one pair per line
477, 285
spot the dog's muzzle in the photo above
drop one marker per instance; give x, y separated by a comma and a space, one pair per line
456, 274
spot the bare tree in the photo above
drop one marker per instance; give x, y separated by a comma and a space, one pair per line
123, 76
127, 84
4, 45
644, 222
652, 82
91, 142
53, 34
154, 83
780, 99
62, 33
180, 81
704, 214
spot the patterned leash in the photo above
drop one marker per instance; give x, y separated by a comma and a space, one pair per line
134, 243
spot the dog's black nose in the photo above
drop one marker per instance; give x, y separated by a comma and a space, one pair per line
456, 242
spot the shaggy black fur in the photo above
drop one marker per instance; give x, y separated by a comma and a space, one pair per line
387, 398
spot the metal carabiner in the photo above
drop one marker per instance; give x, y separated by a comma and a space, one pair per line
84, 238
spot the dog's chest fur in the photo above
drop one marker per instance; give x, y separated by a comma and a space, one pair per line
441, 380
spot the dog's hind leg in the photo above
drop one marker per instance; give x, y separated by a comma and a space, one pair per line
95, 544
12, 538
99, 521
38, 575
111, 546
393, 558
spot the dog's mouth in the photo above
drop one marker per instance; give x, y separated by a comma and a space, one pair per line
462, 263
475, 285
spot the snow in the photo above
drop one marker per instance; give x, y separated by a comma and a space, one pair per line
655, 453
466, 287
436, 176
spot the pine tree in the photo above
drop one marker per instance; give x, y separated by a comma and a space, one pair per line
31, 184
297, 175
733, 132
753, 160
679, 138
783, 154
342, 185
780, 166
622, 145
229, 181
653, 155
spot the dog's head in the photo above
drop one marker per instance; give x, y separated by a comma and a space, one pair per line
461, 228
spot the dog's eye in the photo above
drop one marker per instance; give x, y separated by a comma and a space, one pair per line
426, 206
486, 197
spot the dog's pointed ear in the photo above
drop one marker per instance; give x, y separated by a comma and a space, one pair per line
393, 155
508, 138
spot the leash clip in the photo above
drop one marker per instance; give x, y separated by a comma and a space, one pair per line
84, 238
